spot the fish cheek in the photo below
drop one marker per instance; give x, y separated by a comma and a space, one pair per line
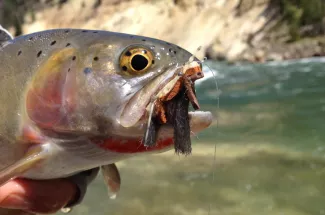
51, 95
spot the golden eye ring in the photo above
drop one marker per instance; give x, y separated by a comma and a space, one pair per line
136, 60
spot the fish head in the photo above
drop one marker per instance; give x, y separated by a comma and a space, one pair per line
125, 77
105, 84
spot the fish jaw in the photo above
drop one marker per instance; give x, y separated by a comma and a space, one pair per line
135, 109
199, 120
131, 139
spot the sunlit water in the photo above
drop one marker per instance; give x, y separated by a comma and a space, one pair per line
270, 151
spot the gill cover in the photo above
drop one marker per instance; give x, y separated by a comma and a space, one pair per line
51, 94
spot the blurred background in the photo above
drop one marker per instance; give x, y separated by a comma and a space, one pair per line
268, 134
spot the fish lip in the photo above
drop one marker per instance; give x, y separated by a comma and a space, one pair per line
199, 120
170, 75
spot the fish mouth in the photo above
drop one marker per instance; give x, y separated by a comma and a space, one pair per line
165, 107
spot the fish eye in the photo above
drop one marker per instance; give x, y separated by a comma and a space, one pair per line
136, 60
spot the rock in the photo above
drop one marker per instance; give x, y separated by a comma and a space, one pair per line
275, 57
260, 56
187, 23
248, 57
215, 52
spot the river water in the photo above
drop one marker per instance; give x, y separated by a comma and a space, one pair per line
268, 137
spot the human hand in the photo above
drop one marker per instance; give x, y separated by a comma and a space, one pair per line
34, 196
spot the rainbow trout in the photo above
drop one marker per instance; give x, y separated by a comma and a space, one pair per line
72, 100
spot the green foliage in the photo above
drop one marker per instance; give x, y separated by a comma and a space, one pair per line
12, 15
13, 12
298, 13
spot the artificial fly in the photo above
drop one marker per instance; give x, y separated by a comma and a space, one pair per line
173, 109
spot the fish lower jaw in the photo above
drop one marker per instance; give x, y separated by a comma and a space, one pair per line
131, 140
199, 120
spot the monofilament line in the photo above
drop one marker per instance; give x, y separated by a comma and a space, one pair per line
149, 120
215, 144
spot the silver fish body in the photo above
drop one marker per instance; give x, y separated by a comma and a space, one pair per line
75, 99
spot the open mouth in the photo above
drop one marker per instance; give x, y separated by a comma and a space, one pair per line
172, 108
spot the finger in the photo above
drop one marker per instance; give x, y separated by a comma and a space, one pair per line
5, 211
37, 196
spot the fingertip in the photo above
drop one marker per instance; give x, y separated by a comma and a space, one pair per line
12, 196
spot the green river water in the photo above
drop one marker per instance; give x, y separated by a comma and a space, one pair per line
270, 151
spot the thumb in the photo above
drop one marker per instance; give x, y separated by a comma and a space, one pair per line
46, 196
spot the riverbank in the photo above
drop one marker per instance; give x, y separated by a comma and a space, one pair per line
231, 30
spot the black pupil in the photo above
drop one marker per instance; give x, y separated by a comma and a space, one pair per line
139, 62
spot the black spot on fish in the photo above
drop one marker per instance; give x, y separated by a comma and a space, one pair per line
95, 32
39, 53
66, 31
96, 58
74, 58
84, 31
143, 40
19, 53
175, 52
128, 53
170, 50
144, 52
52, 43
69, 70
153, 61
87, 70
68, 44
30, 39
124, 68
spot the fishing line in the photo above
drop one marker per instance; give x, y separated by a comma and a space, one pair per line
149, 120
218, 92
